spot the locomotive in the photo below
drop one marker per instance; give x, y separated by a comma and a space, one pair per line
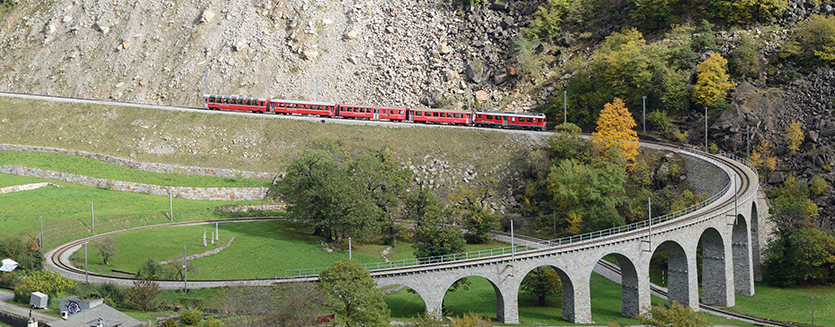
496, 119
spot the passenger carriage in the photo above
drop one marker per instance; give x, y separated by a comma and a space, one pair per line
234, 102
534, 121
289, 107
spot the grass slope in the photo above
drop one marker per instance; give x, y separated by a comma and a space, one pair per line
260, 250
66, 210
209, 139
95, 168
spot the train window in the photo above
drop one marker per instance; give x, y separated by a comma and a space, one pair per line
530, 120
489, 117
401, 112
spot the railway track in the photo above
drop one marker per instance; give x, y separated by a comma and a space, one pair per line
58, 260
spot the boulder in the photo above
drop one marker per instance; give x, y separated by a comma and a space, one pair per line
207, 16
351, 35
476, 75
481, 96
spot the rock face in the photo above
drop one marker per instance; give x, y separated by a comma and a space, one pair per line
769, 112
377, 52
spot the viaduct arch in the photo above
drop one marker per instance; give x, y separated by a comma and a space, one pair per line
723, 229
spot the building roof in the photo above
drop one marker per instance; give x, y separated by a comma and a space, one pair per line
89, 318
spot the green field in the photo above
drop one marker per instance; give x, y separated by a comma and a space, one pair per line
260, 250
66, 210
100, 169
790, 304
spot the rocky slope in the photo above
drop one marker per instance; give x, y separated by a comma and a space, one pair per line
381, 52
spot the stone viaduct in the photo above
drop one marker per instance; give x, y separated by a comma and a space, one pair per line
724, 227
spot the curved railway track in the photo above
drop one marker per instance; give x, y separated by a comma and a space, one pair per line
58, 258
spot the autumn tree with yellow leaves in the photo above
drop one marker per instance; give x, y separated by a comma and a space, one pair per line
614, 136
712, 81
794, 136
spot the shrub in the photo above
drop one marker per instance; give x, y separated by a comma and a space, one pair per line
818, 186
526, 60
659, 120
680, 136
191, 316
170, 323
143, 295
48, 282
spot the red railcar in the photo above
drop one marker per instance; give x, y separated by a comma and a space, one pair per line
373, 113
534, 121
393, 114
441, 116
234, 102
322, 109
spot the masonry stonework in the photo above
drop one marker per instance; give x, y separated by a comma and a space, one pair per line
726, 245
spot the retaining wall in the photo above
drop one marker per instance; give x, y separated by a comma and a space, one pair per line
152, 167
25, 187
190, 193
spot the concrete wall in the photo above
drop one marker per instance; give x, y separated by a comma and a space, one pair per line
190, 193
152, 167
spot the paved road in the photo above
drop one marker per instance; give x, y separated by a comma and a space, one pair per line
18, 311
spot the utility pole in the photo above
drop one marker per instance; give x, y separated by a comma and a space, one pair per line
350, 250
644, 98
92, 219
171, 204
706, 129
564, 107
469, 99
86, 271
41, 75
185, 271
40, 244
747, 141
205, 81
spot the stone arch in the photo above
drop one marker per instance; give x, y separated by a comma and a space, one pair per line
679, 287
756, 263
741, 249
430, 298
568, 290
500, 300
630, 304
715, 285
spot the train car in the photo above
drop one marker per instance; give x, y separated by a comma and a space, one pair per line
441, 116
349, 111
393, 114
288, 107
534, 121
372, 113
234, 102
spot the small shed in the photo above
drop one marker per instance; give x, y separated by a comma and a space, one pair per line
38, 300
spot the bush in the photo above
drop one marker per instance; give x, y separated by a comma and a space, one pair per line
191, 316
170, 323
818, 186
143, 295
527, 61
659, 120
44, 281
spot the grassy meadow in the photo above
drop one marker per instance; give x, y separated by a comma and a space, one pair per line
95, 168
66, 210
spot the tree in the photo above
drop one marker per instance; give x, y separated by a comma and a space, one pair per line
143, 295
470, 319
48, 282
794, 136
676, 315
653, 14
471, 207
358, 301
614, 135
542, 282
106, 247
548, 19
818, 186
300, 304
577, 188
153, 270
343, 197
435, 236
624, 65
813, 42
712, 81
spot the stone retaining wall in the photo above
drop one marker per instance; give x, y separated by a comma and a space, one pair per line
190, 193
200, 255
704, 177
144, 166
25, 187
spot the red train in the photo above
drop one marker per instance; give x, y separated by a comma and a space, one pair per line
496, 119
